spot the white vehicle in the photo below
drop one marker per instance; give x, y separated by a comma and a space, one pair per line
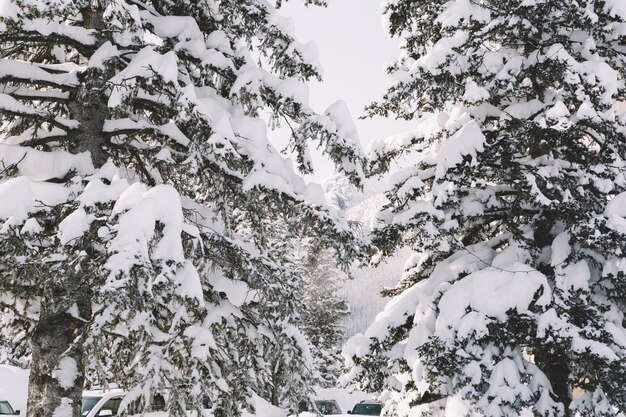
99, 403
6, 409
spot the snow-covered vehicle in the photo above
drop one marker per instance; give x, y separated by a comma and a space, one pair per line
6, 409
367, 408
100, 403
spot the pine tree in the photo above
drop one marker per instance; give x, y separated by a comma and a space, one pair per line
131, 148
513, 303
323, 311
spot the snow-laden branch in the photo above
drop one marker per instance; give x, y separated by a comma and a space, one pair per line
25, 93
24, 72
12, 107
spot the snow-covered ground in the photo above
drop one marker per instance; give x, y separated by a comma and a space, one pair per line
14, 388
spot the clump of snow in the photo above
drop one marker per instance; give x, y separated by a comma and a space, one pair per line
615, 212
560, 249
41, 166
616, 8
465, 10
74, 226
21, 196
263, 408
66, 372
491, 293
64, 409
468, 140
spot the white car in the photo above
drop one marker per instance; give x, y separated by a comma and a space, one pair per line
99, 403
6, 409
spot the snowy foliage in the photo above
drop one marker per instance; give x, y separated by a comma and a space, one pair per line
514, 296
132, 150
323, 313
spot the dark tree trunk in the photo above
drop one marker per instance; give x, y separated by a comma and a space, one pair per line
57, 366
52, 343
556, 369
57, 342
554, 365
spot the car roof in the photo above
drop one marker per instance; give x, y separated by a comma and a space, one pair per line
102, 393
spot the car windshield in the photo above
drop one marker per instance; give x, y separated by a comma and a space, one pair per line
88, 404
5, 408
367, 409
327, 407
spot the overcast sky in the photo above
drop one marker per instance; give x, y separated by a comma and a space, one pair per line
353, 49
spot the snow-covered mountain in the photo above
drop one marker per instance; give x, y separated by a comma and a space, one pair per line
363, 292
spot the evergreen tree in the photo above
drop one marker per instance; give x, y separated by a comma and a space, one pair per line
323, 311
513, 303
131, 148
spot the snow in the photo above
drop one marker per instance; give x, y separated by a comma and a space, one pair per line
440, 52
32, 72
106, 52
463, 10
21, 196
523, 110
492, 293
343, 122
9, 10
574, 277
139, 210
468, 140
31, 226
190, 283
14, 386
560, 249
49, 27
64, 409
146, 62
586, 111
74, 226
41, 166
66, 372
616, 8
263, 408
474, 93
11, 105
558, 111
237, 292
615, 212
415, 301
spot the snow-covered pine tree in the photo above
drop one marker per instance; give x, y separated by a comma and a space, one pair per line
322, 312
131, 145
513, 303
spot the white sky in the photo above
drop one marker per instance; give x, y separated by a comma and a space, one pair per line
353, 49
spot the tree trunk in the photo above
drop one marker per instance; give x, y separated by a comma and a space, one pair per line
56, 372
57, 366
556, 369
88, 104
